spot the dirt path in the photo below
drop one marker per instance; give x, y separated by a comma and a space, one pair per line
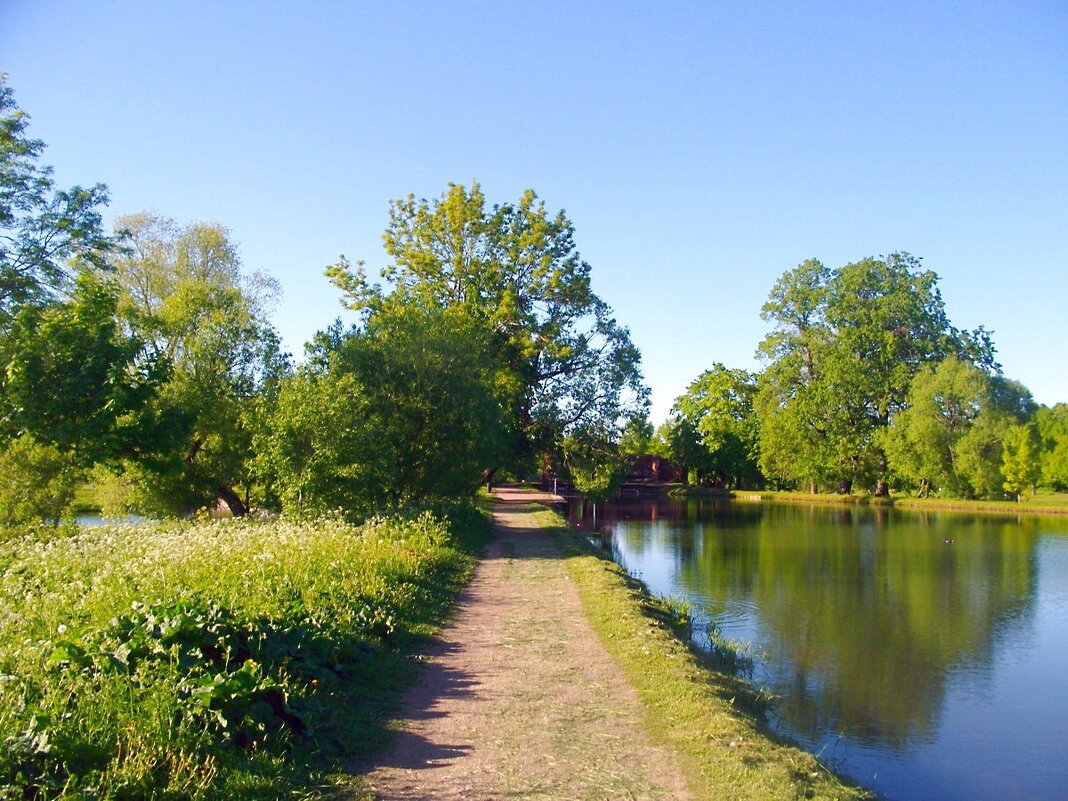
520, 700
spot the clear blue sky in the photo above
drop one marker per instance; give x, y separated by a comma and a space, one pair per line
700, 148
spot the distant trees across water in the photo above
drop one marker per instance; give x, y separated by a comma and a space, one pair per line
867, 386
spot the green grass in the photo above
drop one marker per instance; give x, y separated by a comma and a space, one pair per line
1042, 503
85, 500
227, 659
705, 715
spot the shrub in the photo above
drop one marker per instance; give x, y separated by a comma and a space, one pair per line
39, 483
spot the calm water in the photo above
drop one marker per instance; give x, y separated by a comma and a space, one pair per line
923, 654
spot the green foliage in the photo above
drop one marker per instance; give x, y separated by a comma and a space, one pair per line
406, 408
595, 463
842, 355
636, 439
718, 409
681, 443
72, 378
1020, 459
315, 449
183, 292
39, 483
41, 228
137, 663
513, 270
949, 438
1052, 425
924, 442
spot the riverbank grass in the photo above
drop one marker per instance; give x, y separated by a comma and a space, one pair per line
704, 715
1041, 503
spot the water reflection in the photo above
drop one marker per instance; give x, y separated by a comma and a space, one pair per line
868, 617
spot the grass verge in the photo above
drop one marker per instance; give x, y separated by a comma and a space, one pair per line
704, 715
230, 659
1046, 503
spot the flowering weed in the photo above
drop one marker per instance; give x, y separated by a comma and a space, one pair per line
227, 658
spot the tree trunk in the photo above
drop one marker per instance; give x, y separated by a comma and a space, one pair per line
233, 501
487, 478
882, 489
845, 486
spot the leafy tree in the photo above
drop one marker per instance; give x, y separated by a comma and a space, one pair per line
949, 437
923, 443
843, 351
73, 385
71, 378
681, 443
39, 482
317, 450
718, 405
1052, 425
41, 228
513, 270
636, 439
1021, 466
595, 462
403, 409
183, 292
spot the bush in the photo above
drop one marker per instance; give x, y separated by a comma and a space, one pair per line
38, 483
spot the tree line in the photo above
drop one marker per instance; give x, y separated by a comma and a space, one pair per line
142, 359
868, 386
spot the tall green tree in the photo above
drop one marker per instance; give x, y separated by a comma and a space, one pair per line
950, 436
718, 404
71, 378
41, 228
1020, 462
184, 293
402, 409
514, 270
1052, 425
844, 348
679, 441
73, 385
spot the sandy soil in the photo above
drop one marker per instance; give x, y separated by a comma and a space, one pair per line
519, 699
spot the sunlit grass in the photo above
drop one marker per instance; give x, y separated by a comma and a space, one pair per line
236, 659
708, 717
1041, 503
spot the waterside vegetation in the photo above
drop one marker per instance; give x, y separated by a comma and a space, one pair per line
1040, 503
223, 659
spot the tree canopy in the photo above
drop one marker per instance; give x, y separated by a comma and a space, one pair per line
147, 356
718, 409
184, 293
42, 229
513, 269
401, 409
844, 348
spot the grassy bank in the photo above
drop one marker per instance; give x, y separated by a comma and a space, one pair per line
699, 712
229, 659
1043, 503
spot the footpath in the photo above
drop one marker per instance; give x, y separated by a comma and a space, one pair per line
519, 699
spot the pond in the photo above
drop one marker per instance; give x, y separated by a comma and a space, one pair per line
924, 654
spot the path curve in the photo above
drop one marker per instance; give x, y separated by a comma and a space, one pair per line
519, 699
